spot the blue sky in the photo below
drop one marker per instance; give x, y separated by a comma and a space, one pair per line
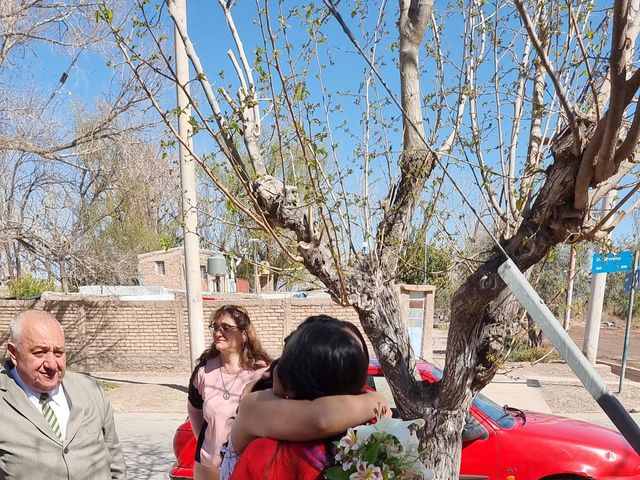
90, 78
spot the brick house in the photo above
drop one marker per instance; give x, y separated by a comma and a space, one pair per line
165, 268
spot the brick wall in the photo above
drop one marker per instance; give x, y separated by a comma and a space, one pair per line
106, 334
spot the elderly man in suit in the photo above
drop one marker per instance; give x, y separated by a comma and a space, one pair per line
55, 424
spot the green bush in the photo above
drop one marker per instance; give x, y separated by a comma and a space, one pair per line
524, 353
616, 300
26, 286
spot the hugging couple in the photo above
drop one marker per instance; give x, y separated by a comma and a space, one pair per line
260, 419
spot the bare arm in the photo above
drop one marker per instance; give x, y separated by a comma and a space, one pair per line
196, 419
195, 403
263, 414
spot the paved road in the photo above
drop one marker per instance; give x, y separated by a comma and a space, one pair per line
611, 343
147, 442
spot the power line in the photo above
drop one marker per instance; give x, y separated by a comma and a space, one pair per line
63, 78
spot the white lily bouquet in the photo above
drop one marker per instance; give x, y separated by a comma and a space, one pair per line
385, 450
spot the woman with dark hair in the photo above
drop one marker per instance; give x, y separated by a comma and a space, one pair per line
317, 393
234, 359
322, 359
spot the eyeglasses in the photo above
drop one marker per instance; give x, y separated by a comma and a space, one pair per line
222, 328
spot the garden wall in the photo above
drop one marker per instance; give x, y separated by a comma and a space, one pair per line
107, 334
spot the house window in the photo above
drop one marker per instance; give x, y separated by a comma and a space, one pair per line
160, 268
203, 272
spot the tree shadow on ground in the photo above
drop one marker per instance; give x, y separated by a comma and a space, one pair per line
180, 388
147, 460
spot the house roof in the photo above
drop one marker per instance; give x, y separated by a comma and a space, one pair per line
171, 251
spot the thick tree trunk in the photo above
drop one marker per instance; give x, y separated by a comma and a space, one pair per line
474, 341
441, 436
378, 307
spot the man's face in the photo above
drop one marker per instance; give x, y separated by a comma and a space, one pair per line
40, 355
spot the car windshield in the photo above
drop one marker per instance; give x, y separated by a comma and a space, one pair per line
490, 408
495, 412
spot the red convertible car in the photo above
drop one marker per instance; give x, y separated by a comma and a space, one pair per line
512, 445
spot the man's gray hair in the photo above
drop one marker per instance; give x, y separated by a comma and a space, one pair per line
15, 327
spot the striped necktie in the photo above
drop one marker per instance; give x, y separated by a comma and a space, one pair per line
49, 414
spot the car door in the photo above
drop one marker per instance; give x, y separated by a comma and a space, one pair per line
481, 457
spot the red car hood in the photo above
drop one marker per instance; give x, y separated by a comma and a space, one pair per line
589, 448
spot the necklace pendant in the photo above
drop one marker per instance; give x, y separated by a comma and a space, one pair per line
226, 395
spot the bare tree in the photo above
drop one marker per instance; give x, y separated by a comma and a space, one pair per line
86, 225
542, 136
70, 177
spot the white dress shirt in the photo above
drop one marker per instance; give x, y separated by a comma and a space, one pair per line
58, 403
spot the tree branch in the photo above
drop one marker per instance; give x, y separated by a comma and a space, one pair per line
562, 95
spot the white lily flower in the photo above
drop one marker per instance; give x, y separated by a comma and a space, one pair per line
349, 441
400, 429
363, 432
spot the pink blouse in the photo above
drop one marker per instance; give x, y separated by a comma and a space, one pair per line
217, 413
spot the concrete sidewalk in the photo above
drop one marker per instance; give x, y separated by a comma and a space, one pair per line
525, 394
147, 442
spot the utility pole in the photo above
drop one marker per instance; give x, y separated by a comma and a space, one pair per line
426, 261
189, 199
596, 299
256, 275
570, 282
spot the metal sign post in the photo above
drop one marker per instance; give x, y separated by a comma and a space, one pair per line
627, 330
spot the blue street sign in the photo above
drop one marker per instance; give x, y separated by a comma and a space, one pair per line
627, 281
612, 262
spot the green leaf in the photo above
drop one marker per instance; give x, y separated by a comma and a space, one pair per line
336, 473
104, 13
371, 453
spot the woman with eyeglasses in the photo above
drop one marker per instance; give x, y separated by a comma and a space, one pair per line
234, 359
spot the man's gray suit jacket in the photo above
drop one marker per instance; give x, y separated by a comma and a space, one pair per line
29, 450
